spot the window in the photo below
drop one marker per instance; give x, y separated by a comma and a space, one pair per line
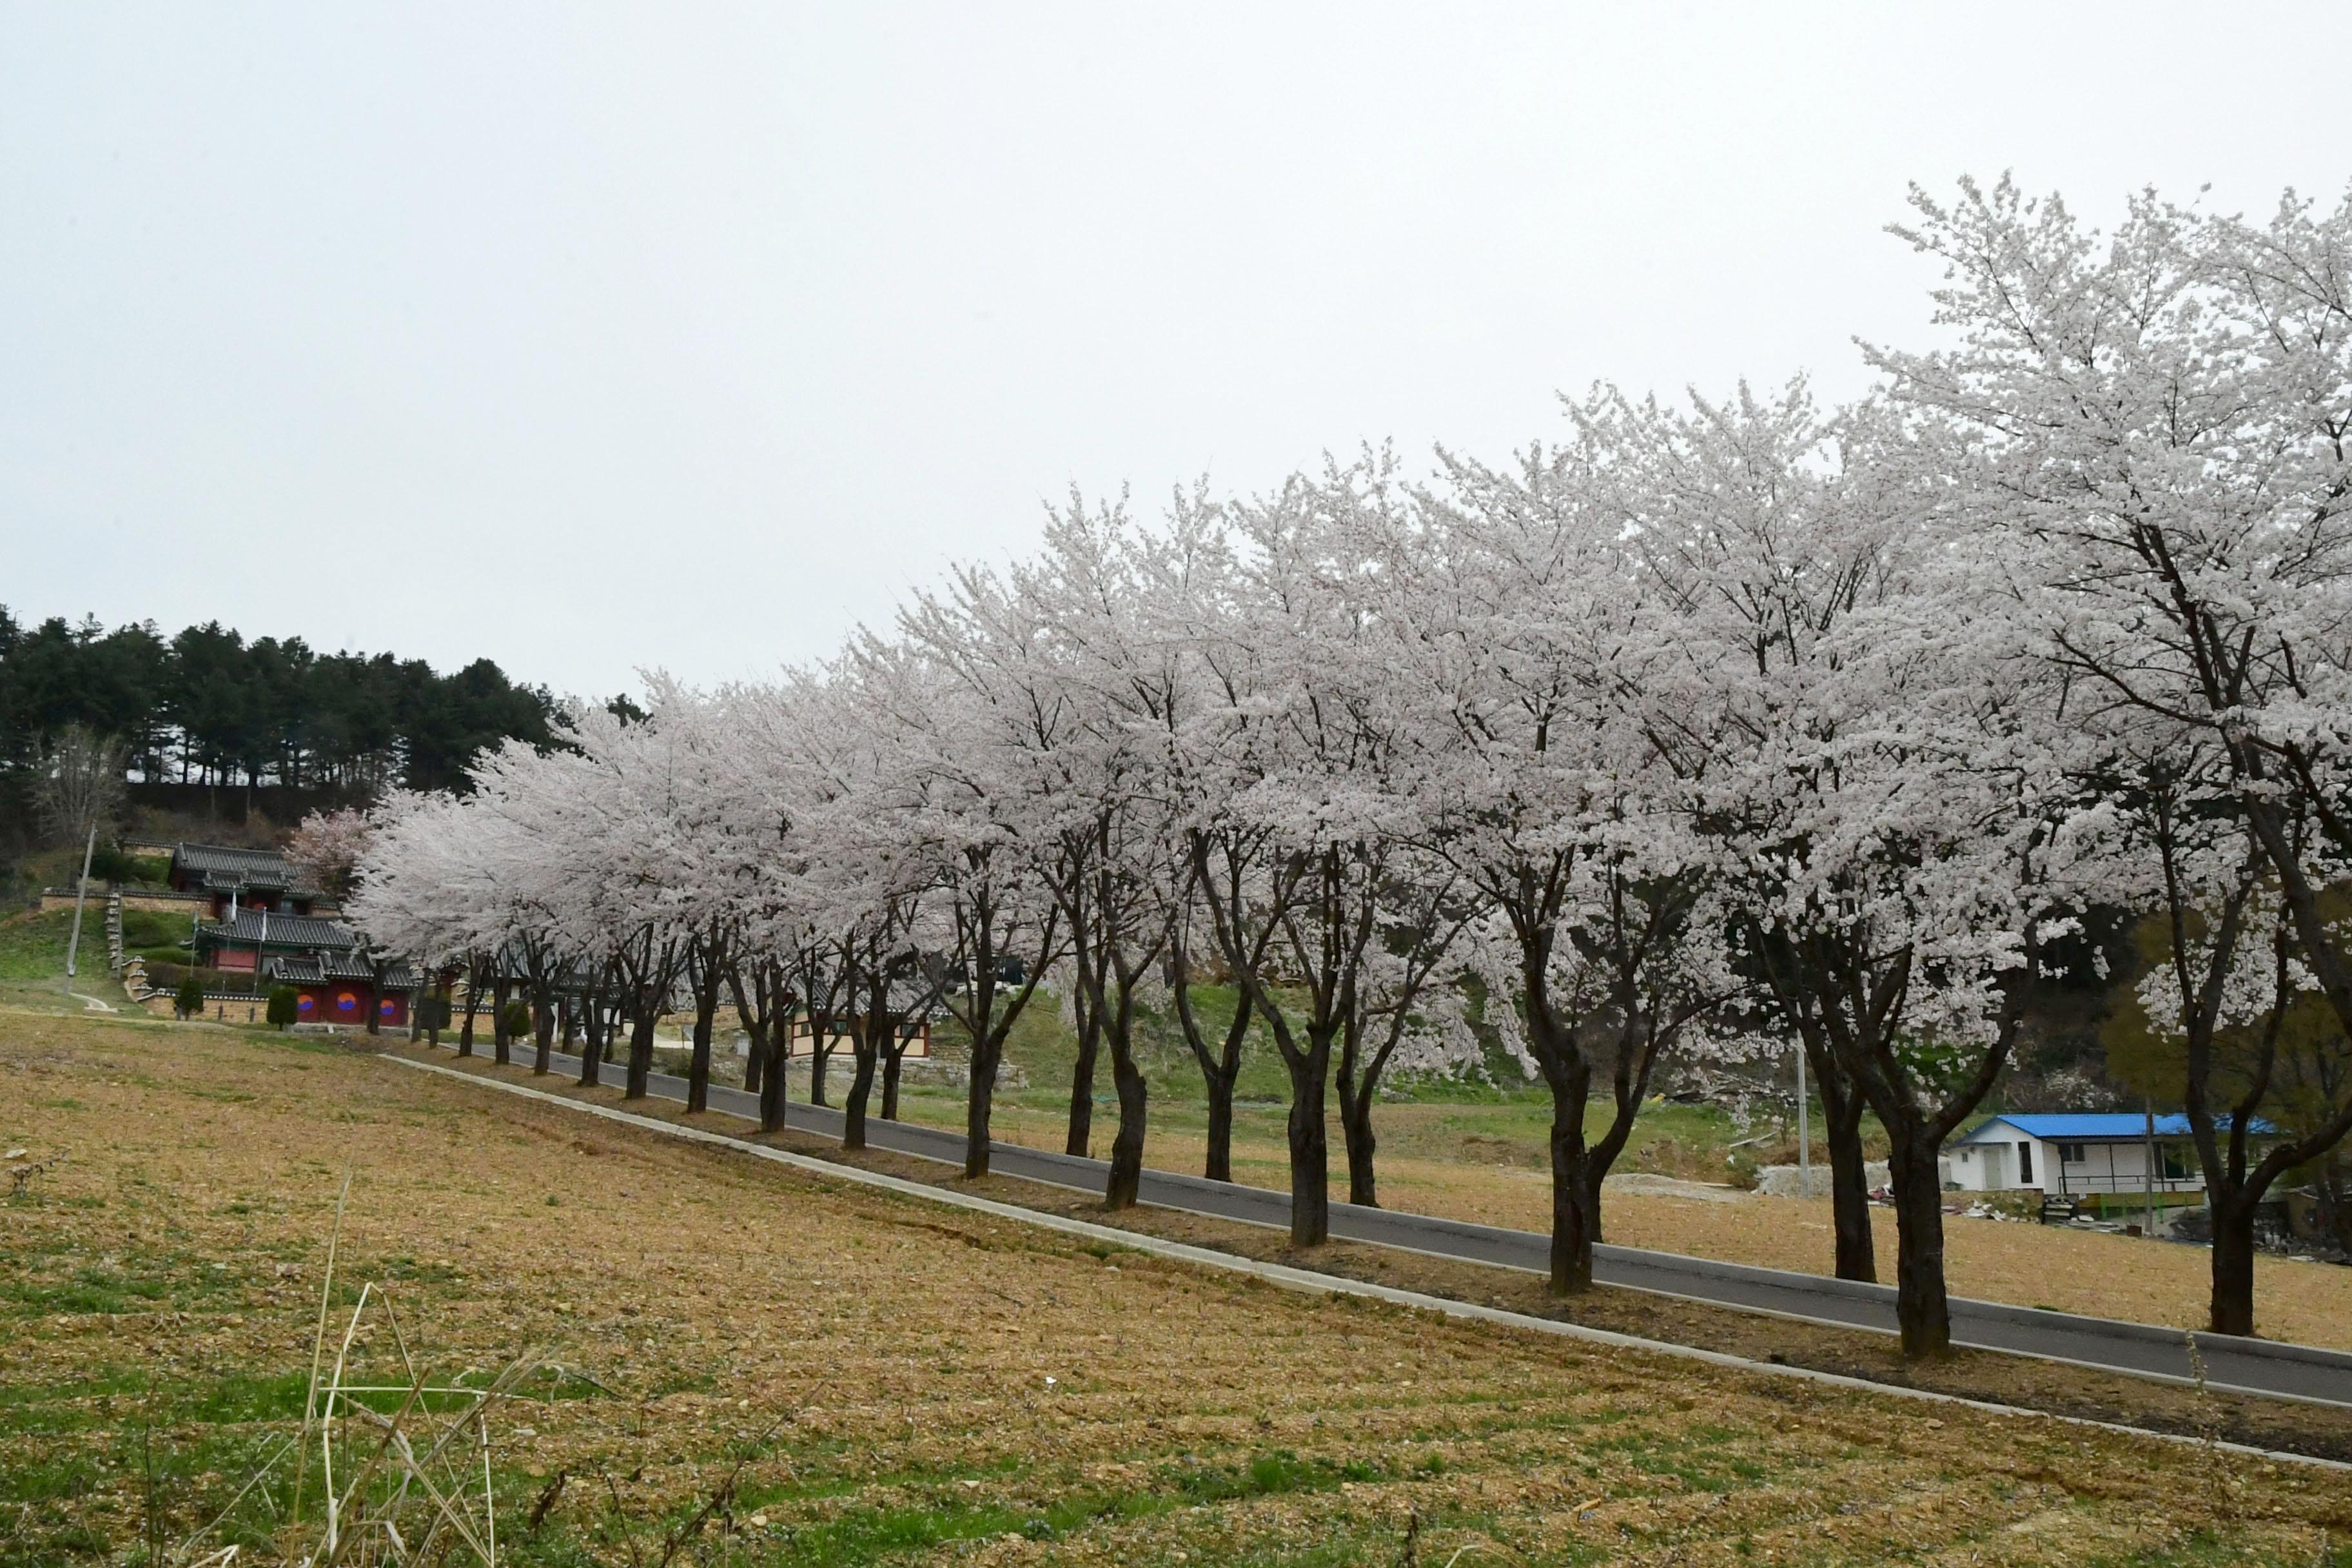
2024, 1163
2070, 1153
2176, 1162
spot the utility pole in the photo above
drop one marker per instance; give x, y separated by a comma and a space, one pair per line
2147, 1109
1804, 1130
73, 942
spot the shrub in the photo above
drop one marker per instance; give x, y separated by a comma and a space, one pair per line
189, 1000
284, 1005
433, 1010
518, 1020
107, 863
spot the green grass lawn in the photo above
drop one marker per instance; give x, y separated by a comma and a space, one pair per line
155, 936
33, 961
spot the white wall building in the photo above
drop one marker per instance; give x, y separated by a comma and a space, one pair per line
2078, 1154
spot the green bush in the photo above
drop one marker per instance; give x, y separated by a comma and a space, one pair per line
189, 1000
518, 1020
433, 1010
107, 863
152, 928
285, 1005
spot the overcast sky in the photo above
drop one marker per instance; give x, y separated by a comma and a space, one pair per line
596, 339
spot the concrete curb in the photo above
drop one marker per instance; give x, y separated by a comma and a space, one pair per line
1305, 1280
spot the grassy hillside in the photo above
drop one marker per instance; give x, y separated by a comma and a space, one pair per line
33, 961
33, 946
899, 1383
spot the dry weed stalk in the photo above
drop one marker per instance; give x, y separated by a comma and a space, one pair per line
395, 1489
2208, 1433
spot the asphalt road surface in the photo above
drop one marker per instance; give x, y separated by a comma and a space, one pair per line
2250, 1366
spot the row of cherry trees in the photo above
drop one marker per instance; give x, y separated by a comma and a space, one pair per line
1726, 730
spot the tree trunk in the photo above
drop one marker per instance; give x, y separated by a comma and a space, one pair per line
1218, 1072
1221, 1128
697, 1072
1356, 1133
473, 994
502, 993
893, 1054
641, 1051
861, 1089
1574, 1223
2232, 1306
542, 1028
777, 1079
591, 1051
820, 1059
980, 1102
758, 1022
1126, 1177
1857, 1251
1921, 1306
1081, 1138
1310, 1152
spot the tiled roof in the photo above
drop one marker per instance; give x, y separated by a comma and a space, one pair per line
232, 881
345, 966
220, 867
256, 926
235, 862
320, 968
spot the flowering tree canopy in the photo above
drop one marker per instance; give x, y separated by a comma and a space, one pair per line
1708, 733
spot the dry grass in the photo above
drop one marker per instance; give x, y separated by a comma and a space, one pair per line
2006, 1380
933, 1385
1494, 1182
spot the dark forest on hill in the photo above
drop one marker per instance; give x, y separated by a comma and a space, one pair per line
208, 707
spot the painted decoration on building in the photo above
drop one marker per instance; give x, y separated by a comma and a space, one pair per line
346, 1002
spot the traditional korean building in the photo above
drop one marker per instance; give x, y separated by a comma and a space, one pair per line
265, 923
243, 878
333, 987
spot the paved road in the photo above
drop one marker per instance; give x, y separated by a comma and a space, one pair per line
2252, 1366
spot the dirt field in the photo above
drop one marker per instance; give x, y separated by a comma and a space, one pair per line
2026, 1265
932, 1385
2044, 1386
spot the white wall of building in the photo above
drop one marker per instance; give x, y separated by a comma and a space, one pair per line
1997, 1165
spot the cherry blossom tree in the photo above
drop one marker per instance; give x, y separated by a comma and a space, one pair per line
329, 844
2156, 435
1728, 728
1549, 801
973, 695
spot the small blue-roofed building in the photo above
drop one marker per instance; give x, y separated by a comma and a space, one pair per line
2083, 1153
